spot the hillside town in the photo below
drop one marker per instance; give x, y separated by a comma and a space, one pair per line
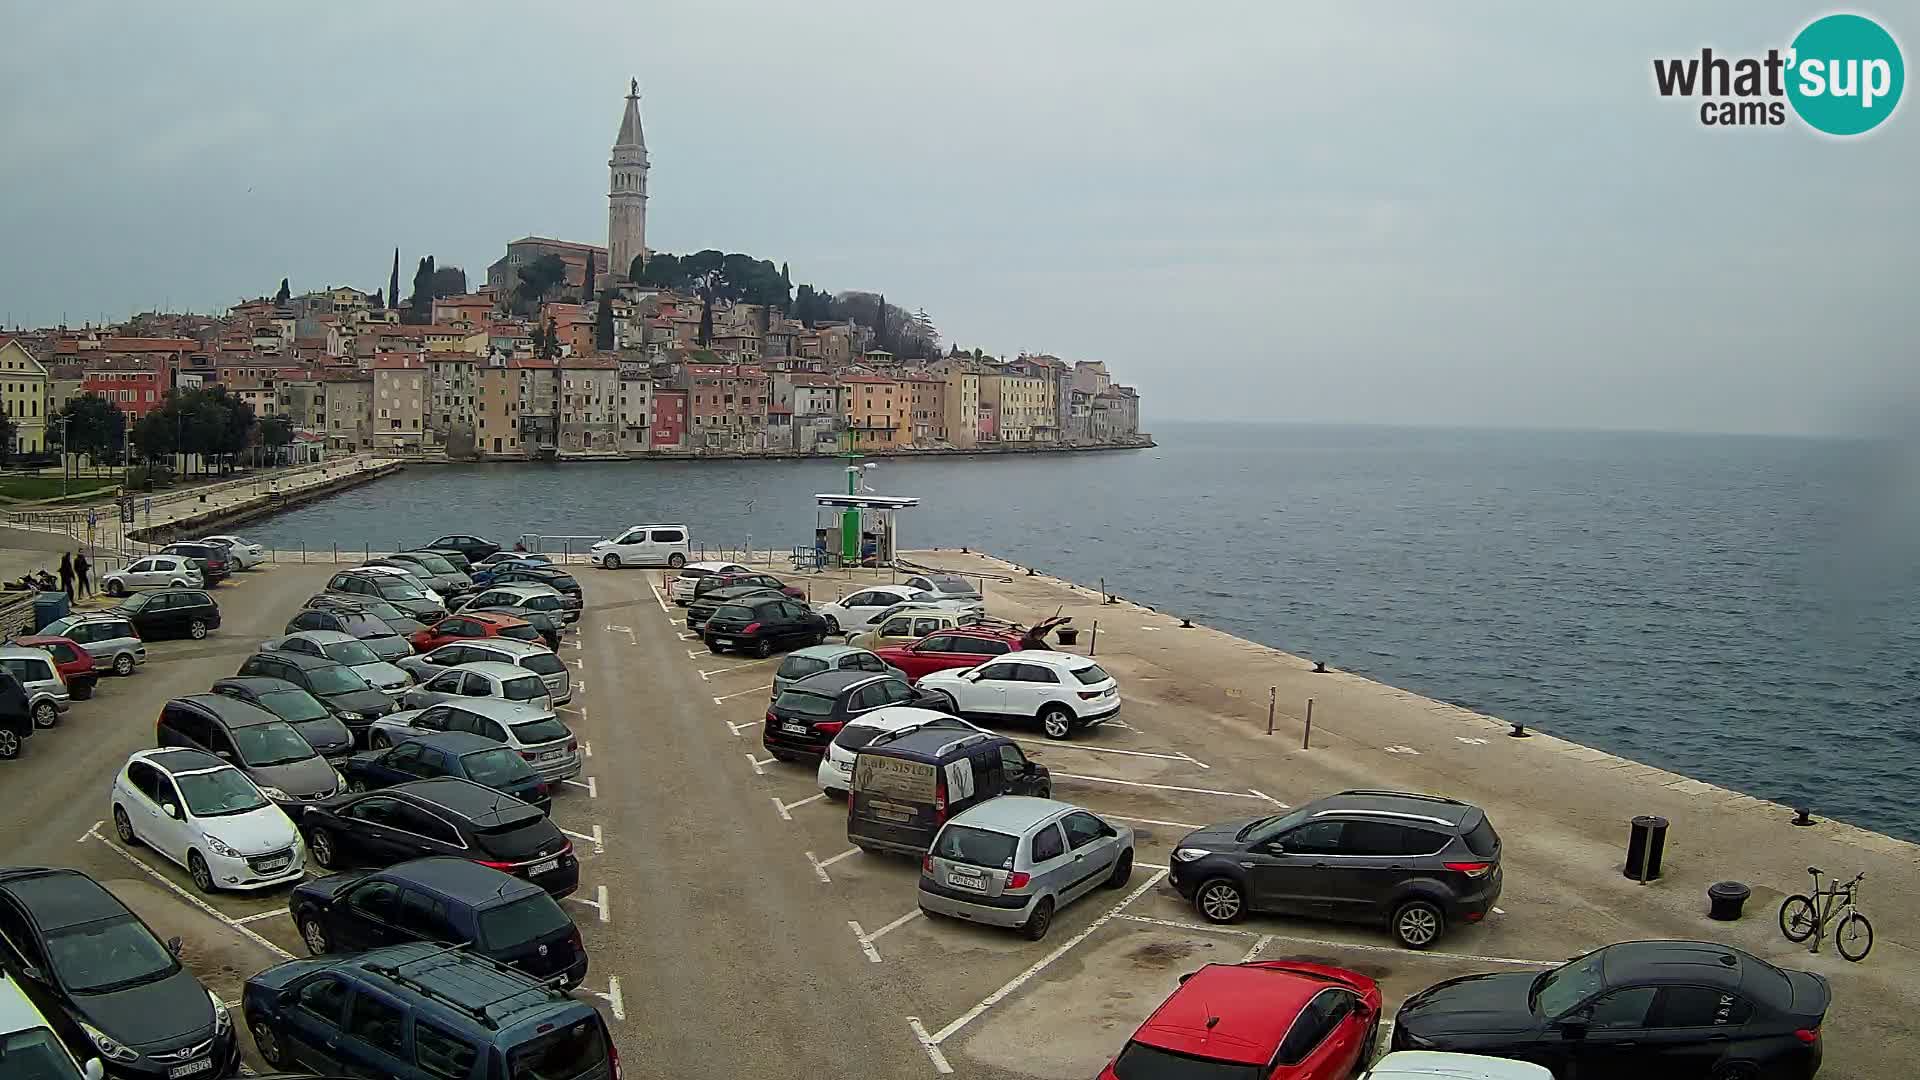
571, 351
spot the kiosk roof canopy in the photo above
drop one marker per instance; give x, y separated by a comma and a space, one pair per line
867, 502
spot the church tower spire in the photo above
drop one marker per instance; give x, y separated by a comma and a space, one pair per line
627, 191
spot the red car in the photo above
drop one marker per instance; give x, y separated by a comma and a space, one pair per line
73, 663
1272, 1019
960, 647
474, 624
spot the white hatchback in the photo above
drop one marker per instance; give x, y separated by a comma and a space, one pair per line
246, 555
863, 610
153, 572
835, 774
683, 585
1439, 1065
1064, 692
207, 816
643, 545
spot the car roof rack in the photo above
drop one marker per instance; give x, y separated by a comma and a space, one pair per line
1403, 795
397, 973
889, 736
1394, 814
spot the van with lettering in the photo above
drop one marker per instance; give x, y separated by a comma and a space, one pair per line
907, 783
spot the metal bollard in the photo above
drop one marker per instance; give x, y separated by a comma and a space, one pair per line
1095, 643
1273, 695
1306, 736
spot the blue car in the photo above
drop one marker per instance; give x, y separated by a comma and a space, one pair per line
485, 569
449, 753
423, 1012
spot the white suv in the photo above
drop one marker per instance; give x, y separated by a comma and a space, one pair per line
643, 545
1439, 1065
1063, 691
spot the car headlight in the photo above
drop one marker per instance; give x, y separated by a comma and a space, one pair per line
352, 716
222, 1019
108, 1048
275, 794
221, 847
339, 780
1189, 854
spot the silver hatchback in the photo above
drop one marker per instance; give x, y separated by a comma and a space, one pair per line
46, 691
535, 658
110, 639
1015, 861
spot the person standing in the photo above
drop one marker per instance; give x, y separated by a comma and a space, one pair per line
83, 574
66, 575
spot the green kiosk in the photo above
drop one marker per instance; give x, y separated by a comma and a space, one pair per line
857, 529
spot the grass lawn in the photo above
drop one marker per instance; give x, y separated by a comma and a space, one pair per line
27, 487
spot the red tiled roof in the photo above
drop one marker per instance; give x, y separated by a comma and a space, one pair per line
396, 362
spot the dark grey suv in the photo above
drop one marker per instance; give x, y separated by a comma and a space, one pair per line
1414, 862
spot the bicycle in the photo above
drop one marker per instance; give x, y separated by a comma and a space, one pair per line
1803, 917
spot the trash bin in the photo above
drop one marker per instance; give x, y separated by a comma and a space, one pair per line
1645, 844
1725, 899
1067, 635
47, 607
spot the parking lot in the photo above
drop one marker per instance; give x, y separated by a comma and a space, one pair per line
731, 926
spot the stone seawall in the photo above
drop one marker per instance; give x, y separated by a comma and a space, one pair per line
191, 518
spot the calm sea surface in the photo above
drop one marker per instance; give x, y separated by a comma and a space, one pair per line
1739, 609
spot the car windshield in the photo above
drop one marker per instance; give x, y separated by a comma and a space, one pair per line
292, 706
1091, 674
1556, 991
543, 664
732, 612
136, 603
434, 564
543, 602
523, 688
528, 632
1271, 825
1138, 1061
394, 588
365, 626
336, 680
955, 586
522, 922
34, 1054
545, 729
579, 1049
496, 768
804, 703
108, 954
977, 847
277, 743
220, 792
323, 731
350, 653
855, 736
380, 609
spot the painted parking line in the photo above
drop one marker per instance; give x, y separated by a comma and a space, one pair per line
627, 630
785, 808
706, 675
738, 728
867, 939
261, 915
598, 903
1056, 744
592, 786
820, 865
742, 693
222, 917
1155, 821
1247, 794
661, 600
615, 1002
1260, 943
759, 764
596, 838
931, 1043
1328, 943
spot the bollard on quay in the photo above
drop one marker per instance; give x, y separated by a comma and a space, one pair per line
1646, 844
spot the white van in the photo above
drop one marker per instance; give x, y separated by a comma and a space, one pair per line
1438, 1065
643, 545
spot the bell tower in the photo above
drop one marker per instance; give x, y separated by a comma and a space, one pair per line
627, 191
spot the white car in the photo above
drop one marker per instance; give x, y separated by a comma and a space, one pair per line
861, 611
944, 586
246, 554
207, 816
153, 572
835, 774
481, 679
409, 579
683, 585
339, 645
1063, 691
534, 657
1439, 1065
643, 545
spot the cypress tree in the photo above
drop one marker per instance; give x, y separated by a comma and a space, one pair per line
586, 290
393, 282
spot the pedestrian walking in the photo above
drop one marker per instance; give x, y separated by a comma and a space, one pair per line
83, 574
66, 576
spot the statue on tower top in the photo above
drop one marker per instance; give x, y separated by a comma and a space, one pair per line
633, 88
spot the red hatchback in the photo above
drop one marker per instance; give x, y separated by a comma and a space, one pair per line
474, 624
961, 647
1269, 1020
73, 663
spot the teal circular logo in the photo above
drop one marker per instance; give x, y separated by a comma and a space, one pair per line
1846, 74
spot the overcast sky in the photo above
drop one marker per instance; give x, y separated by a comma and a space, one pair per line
1341, 212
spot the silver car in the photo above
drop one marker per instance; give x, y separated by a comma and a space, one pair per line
349, 650
814, 659
542, 739
482, 679
46, 691
524, 597
110, 639
534, 657
1015, 861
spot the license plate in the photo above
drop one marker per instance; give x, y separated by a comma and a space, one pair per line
541, 868
794, 729
966, 881
191, 1068
552, 754
723, 641
273, 867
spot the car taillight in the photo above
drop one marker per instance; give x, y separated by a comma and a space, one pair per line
1018, 879
527, 755
1808, 1035
750, 628
613, 1059
940, 802
1089, 695
1471, 869
926, 864
830, 727
572, 744
495, 865
772, 719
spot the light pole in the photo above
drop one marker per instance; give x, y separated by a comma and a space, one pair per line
59, 424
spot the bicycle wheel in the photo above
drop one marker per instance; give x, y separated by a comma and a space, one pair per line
1797, 918
1854, 937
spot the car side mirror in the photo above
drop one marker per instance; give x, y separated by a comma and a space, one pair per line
172, 810
94, 1070
223, 755
173, 946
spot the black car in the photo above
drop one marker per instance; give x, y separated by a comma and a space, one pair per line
16, 716
1415, 863
369, 630
552, 576
401, 622
215, 560
807, 715
108, 986
309, 716
473, 547
762, 624
548, 626
449, 753
443, 816
170, 613
1639, 1008
702, 607
363, 583
339, 687
457, 558
446, 900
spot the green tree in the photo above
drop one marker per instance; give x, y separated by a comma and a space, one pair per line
537, 279
379, 299
603, 324
421, 302
282, 296
8, 431
155, 436
447, 281
880, 321
276, 434
92, 425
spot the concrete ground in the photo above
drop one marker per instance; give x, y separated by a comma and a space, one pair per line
734, 931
